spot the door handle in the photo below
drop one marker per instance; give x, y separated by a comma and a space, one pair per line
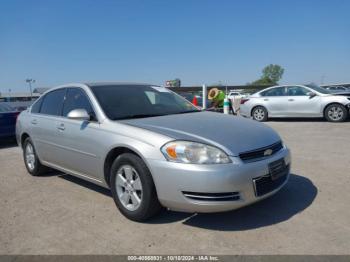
61, 127
34, 122
291, 100
266, 99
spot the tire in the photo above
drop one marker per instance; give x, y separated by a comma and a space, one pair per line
133, 189
260, 114
336, 113
31, 160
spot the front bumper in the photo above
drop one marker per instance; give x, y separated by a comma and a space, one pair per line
173, 179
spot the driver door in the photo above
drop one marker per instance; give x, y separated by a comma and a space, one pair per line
80, 150
301, 104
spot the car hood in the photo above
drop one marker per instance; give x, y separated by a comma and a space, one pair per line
233, 134
345, 93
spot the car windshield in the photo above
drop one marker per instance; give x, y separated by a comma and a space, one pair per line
6, 108
139, 101
318, 89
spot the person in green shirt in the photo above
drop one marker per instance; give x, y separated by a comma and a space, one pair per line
217, 97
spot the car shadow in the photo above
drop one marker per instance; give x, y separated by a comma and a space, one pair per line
8, 142
86, 184
294, 119
297, 195
293, 198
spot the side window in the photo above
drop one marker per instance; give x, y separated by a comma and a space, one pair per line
36, 106
297, 91
53, 102
277, 91
151, 96
77, 99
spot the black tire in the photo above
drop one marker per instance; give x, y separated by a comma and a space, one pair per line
260, 114
149, 205
38, 169
336, 113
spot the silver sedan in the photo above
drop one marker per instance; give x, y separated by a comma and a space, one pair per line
152, 148
296, 101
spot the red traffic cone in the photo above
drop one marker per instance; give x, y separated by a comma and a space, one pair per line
194, 101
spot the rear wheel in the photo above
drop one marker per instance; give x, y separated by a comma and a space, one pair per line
31, 160
259, 113
133, 189
336, 113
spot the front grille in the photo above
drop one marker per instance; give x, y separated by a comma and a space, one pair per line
259, 154
266, 184
229, 196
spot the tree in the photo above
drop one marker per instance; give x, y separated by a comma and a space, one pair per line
173, 83
271, 75
273, 72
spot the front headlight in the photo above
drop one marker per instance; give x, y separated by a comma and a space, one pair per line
194, 153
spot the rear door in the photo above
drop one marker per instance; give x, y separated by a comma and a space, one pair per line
79, 140
300, 104
275, 101
43, 118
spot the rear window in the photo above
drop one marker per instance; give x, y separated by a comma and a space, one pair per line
277, 91
6, 108
36, 106
53, 102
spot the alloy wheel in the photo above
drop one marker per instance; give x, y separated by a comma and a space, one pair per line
335, 113
129, 187
259, 114
30, 156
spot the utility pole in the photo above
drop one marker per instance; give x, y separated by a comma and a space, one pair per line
30, 81
204, 96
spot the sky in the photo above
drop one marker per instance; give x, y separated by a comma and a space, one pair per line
198, 41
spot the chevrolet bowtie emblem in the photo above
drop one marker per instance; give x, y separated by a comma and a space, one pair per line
268, 152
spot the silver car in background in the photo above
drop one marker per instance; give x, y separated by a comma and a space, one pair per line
296, 101
152, 148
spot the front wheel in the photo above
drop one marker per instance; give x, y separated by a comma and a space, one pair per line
259, 113
133, 189
336, 113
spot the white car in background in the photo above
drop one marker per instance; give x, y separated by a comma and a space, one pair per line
296, 101
338, 89
235, 95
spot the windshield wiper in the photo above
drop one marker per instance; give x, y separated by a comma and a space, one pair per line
188, 111
137, 116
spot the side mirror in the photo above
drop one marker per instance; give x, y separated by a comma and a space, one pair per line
311, 94
79, 114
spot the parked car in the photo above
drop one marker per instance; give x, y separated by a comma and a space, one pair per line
152, 148
21, 108
235, 94
8, 116
191, 98
296, 101
338, 89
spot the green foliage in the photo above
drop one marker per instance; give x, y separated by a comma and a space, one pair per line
271, 75
173, 83
273, 72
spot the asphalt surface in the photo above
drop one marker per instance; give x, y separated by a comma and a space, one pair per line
60, 214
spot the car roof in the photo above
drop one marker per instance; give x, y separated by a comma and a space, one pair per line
117, 84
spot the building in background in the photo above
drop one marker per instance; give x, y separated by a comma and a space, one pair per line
21, 99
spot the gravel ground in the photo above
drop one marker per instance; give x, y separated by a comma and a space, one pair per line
60, 214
